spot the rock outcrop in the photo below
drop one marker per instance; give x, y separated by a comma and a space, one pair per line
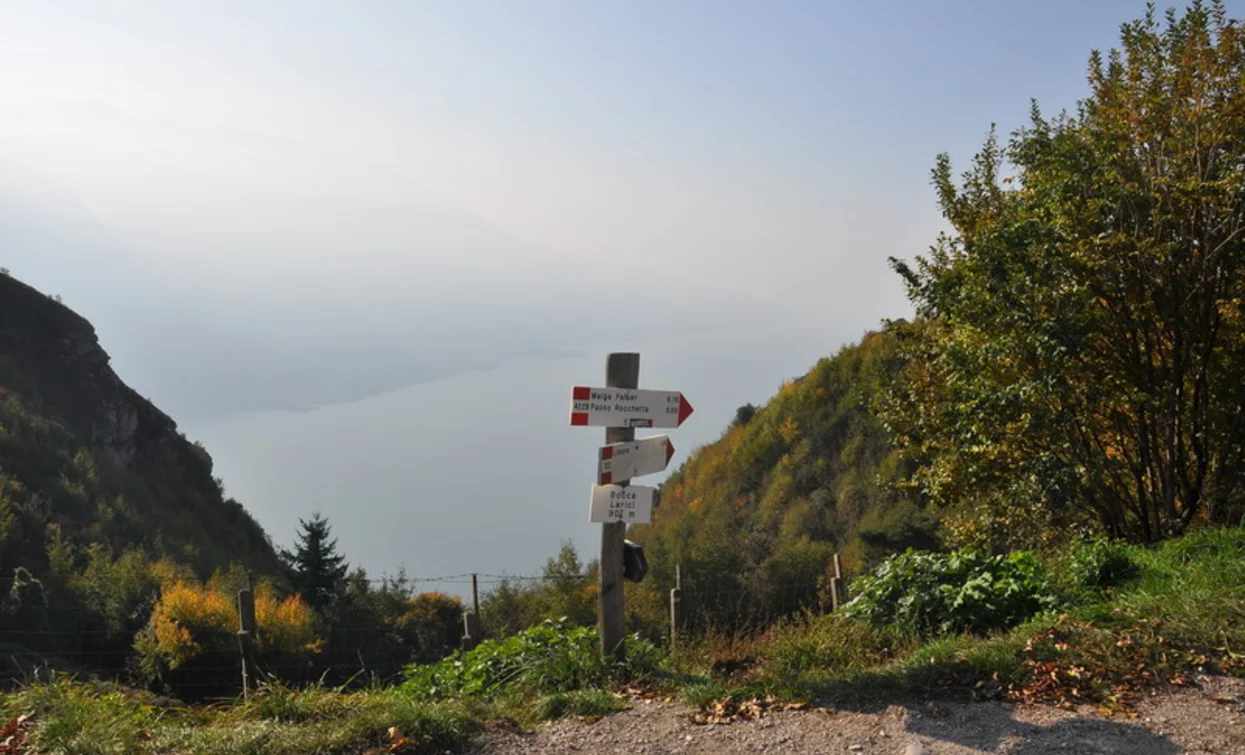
51, 357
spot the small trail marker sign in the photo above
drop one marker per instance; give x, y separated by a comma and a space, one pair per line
618, 462
630, 504
627, 407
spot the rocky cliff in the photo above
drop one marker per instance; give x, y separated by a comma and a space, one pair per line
81, 450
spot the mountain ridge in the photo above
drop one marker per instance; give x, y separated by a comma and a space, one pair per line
85, 457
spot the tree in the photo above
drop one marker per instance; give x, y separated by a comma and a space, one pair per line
1081, 357
569, 589
317, 570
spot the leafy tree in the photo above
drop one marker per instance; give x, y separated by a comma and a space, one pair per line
570, 591
1081, 358
316, 568
744, 414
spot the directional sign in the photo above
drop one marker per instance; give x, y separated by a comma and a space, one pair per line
627, 407
632, 504
618, 462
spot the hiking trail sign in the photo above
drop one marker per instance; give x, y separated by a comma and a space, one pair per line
619, 462
615, 503
629, 504
627, 407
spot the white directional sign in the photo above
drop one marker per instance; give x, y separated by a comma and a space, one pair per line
619, 462
632, 504
628, 407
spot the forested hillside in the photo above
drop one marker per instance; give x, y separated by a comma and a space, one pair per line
86, 460
754, 518
120, 554
96, 484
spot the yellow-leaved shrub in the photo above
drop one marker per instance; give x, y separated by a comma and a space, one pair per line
191, 636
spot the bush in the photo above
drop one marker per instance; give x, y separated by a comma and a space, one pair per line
190, 641
1099, 564
961, 591
549, 658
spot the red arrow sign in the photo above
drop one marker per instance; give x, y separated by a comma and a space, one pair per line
627, 407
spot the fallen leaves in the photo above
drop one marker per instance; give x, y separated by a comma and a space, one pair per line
727, 711
398, 741
1078, 663
14, 735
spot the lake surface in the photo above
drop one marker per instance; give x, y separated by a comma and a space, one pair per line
480, 472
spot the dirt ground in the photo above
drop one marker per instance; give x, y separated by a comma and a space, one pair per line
1207, 719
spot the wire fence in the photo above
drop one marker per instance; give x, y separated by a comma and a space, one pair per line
371, 651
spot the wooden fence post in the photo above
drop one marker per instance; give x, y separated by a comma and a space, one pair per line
246, 635
838, 596
676, 605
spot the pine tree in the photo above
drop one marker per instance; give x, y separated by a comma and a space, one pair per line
318, 570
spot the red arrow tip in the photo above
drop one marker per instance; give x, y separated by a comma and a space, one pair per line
669, 450
685, 409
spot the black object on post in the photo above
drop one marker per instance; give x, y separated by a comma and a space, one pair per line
635, 565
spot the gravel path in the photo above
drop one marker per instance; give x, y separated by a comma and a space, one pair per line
1209, 720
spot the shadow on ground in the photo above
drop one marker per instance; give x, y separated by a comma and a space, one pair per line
992, 727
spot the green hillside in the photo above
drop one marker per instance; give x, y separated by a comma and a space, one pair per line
754, 518
95, 483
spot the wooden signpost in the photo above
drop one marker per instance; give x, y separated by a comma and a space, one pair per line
620, 407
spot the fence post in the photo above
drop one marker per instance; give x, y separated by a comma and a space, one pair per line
676, 605
246, 635
838, 596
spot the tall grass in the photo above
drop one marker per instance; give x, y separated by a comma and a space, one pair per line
79, 718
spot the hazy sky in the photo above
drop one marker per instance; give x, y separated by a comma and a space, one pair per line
727, 141
391, 209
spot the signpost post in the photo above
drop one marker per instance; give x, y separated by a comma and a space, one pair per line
621, 371
620, 407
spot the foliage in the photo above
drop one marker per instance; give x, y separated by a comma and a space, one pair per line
1098, 565
1080, 357
744, 414
317, 569
434, 621
946, 593
1183, 611
552, 657
754, 519
567, 590
96, 487
81, 718
192, 631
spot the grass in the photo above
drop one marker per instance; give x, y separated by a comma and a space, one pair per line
77, 718
1169, 610
1175, 609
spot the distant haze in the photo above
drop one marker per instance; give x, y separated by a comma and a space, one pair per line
363, 250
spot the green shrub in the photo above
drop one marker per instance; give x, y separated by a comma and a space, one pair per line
1099, 564
962, 591
548, 658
